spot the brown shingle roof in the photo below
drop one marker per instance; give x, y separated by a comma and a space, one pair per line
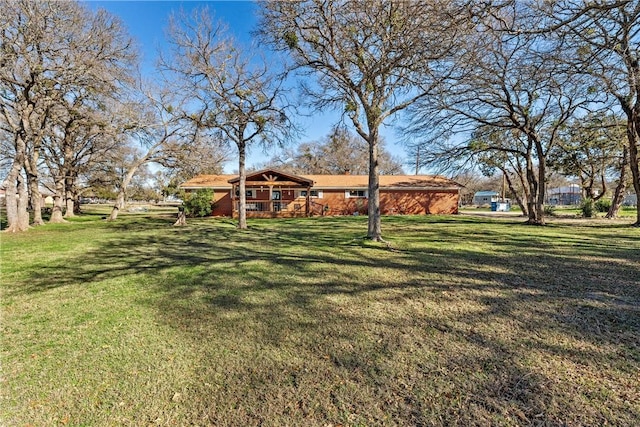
386, 181
339, 182
209, 181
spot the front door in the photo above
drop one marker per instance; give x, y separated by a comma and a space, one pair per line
276, 195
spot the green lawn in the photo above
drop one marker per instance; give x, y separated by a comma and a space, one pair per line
463, 321
626, 212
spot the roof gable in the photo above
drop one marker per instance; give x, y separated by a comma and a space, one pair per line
272, 176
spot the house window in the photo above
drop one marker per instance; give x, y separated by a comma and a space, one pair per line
315, 194
353, 194
248, 194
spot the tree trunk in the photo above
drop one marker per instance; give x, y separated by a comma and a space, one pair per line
242, 204
525, 190
31, 169
633, 128
541, 187
16, 201
182, 219
58, 203
69, 210
618, 195
603, 184
513, 191
616, 201
122, 192
374, 223
119, 205
76, 204
69, 196
34, 196
23, 203
532, 196
540, 201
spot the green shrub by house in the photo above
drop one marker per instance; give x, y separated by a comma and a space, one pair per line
199, 203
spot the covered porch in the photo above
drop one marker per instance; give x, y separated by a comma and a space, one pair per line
273, 194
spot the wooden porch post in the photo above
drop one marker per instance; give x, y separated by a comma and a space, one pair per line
234, 200
307, 201
270, 197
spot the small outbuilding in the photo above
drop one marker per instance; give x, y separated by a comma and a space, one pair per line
485, 198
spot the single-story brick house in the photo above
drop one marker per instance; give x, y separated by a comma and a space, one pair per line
273, 193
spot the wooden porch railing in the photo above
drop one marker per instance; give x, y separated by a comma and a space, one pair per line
273, 206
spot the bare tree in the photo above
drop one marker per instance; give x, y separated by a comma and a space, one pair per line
339, 153
589, 148
234, 92
80, 136
49, 50
157, 136
371, 60
605, 37
506, 151
510, 82
602, 39
204, 154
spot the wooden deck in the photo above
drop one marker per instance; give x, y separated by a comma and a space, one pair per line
274, 208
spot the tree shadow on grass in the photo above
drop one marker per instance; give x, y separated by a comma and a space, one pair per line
433, 333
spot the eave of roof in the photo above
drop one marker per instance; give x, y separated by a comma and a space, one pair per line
399, 182
334, 182
208, 181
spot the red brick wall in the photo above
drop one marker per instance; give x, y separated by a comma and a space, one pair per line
397, 202
222, 205
393, 202
419, 202
338, 205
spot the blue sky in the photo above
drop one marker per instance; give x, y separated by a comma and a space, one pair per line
146, 21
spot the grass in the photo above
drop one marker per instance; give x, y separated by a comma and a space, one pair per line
625, 212
466, 321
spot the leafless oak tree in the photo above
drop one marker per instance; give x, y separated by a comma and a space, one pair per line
156, 135
590, 149
229, 90
605, 37
79, 136
339, 153
49, 51
515, 84
602, 40
369, 59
